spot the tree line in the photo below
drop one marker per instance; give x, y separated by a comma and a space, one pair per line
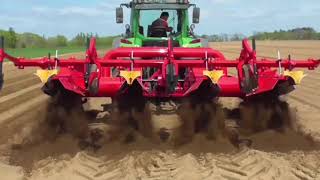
224, 37
32, 40
304, 33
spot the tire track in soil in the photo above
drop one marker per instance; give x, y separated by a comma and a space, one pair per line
305, 167
247, 164
142, 162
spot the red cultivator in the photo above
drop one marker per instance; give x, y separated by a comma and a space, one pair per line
167, 73
133, 76
147, 66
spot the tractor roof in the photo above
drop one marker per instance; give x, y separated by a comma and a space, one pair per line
160, 4
161, 1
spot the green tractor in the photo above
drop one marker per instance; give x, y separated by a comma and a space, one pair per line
145, 12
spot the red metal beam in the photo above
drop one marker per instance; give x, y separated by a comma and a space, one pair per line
201, 53
289, 64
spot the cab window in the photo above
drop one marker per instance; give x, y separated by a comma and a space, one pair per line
148, 16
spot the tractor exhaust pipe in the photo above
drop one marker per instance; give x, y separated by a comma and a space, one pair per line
1, 61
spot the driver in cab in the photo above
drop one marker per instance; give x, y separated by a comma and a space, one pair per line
160, 27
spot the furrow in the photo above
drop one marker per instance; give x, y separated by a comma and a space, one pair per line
19, 93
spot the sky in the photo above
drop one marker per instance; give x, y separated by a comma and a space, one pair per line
68, 17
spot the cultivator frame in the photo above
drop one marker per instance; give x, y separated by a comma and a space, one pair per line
177, 72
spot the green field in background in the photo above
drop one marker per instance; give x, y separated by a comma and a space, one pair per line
42, 52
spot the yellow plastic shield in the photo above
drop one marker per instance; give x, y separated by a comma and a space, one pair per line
213, 75
44, 75
130, 76
297, 76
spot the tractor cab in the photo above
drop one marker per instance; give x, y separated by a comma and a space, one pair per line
140, 31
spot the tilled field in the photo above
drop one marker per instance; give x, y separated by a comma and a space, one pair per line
273, 155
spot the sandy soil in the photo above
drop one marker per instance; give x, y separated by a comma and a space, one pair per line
273, 155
